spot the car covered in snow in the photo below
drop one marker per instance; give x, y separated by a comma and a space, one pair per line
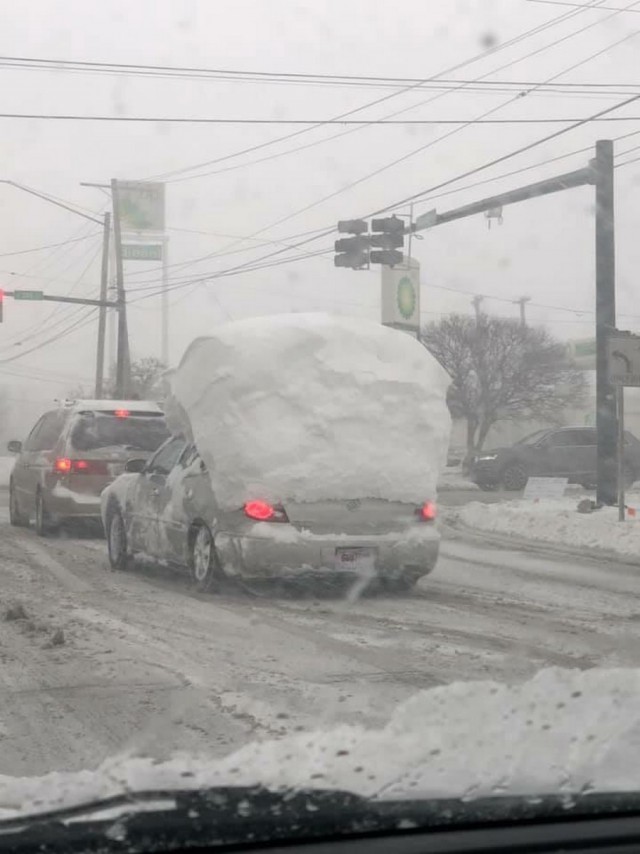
303, 445
73, 452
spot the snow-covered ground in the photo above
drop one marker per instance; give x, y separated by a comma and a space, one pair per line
452, 478
6, 465
557, 522
562, 732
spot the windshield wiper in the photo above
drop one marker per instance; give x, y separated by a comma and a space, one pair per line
170, 819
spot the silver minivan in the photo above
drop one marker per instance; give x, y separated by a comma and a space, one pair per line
72, 453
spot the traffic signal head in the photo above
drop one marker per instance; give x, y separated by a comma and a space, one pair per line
389, 257
355, 252
386, 241
1, 305
388, 225
352, 226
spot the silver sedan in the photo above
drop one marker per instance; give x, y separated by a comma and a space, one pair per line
166, 509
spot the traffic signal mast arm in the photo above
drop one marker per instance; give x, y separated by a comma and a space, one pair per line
541, 188
38, 296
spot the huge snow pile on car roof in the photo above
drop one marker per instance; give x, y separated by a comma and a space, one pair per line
309, 407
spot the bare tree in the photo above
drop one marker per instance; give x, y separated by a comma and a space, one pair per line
502, 371
146, 381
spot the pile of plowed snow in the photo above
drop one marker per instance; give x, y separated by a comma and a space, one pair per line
309, 407
562, 732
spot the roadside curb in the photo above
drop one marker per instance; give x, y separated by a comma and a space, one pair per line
508, 541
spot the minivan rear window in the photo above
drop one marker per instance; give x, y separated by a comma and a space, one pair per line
134, 432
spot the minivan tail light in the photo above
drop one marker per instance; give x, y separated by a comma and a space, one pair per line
428, 511
63, 465
121, 413
262, 511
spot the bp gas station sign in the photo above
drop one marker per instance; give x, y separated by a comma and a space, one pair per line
401, 296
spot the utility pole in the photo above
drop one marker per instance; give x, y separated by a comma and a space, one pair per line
102, 316
164, 306
522, 302
606, 421
123, 366
476, 302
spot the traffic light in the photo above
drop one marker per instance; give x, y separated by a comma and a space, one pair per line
388, 234
353, 251
352, 226
1, 305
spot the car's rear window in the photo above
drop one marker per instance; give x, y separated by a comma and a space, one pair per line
135, 432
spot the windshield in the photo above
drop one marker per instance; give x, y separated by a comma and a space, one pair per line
319, 397
532, 438
96, 430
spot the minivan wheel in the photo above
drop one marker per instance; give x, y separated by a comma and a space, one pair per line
44, 526
514, 478
203, 560
117, 548
16, 518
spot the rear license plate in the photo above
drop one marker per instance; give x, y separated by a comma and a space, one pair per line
359, 560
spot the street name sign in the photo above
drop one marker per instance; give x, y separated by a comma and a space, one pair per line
28, 295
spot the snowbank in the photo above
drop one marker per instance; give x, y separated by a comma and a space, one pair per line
564, 731
309, 407
6, 467
557, 522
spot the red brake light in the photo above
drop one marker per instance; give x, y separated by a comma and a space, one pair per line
259, 510
122, 413
428, 511
65, 466
262, 511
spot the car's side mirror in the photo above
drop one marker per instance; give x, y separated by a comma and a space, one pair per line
135, 466
14, 446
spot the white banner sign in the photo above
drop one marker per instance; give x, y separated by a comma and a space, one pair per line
401, 296
545, 487
141, 206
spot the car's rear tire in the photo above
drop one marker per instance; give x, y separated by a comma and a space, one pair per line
16, 518
514, 478
203, 560
117, 546
43, 523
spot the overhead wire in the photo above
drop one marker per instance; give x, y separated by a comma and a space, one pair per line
452, 69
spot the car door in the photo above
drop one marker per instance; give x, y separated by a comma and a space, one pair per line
184, 498
36, 459
564, 453
150, 493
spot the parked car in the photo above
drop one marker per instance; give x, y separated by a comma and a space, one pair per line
165, 508
564, 452
72, 453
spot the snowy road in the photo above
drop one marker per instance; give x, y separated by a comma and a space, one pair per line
149, 667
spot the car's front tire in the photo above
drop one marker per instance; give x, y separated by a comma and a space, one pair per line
514, 478
16, 518
203, 560
117, 546
44, 525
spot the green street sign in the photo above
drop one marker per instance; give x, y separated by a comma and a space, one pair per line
141, 252
33, 295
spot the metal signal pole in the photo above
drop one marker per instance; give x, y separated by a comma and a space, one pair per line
123, 364
102, 316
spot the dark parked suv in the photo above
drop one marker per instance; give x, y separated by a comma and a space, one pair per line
566, 452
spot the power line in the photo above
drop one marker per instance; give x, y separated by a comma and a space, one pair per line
581, 5
467, 122
81, 322
452, 69
48, 246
